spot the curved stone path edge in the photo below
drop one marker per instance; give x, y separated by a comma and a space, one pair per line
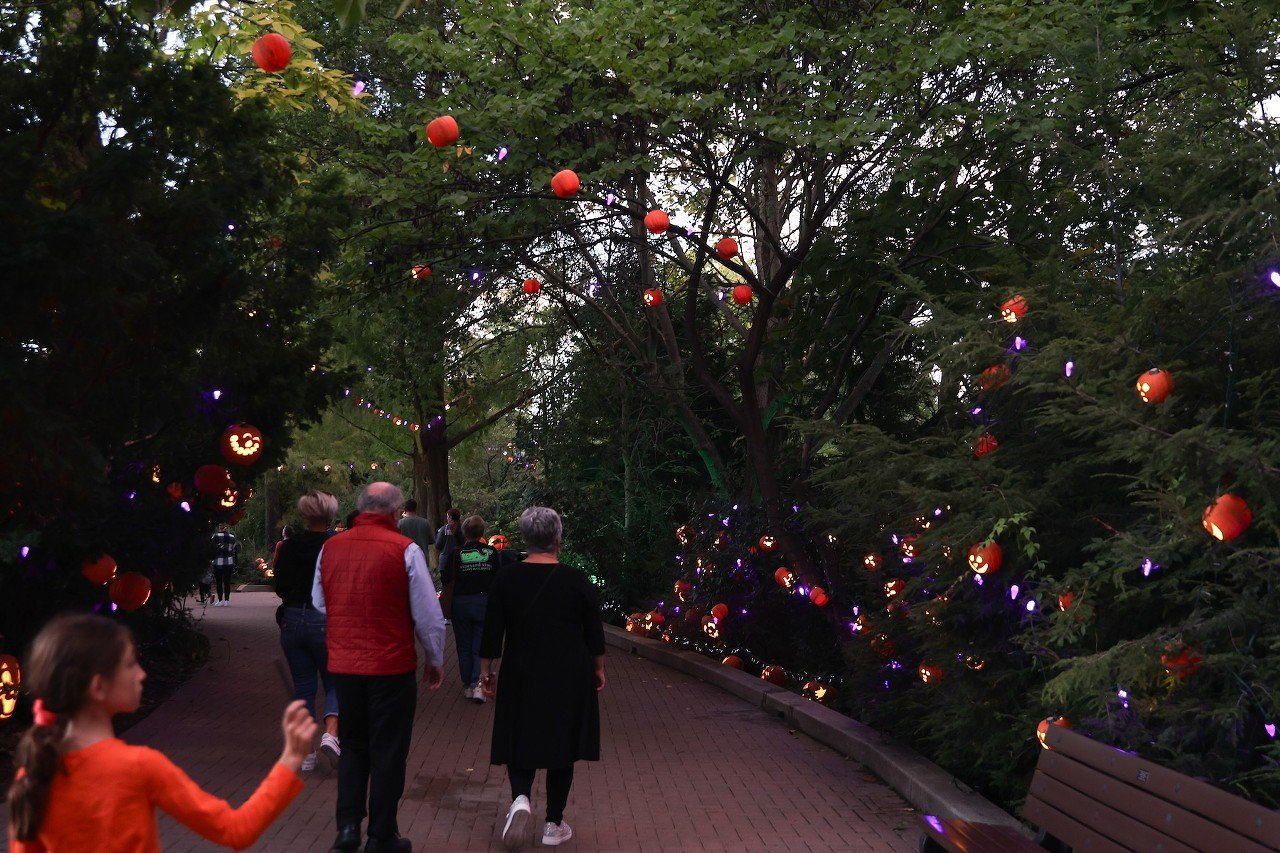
919, 781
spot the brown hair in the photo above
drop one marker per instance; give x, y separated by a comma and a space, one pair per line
65, 656
452, 517
318, 507
473, 527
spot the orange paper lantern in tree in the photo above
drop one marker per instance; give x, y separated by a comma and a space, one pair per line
727, 248
931, 673
1227, 517
130, 590
882, 645
1155, 386
720, 611
872, 562
785, 578
1065, 600
985, 558
733, 661
99, 572
531, 286
1013, 309
1042, 728
212, 479
985, 444
774, 674
819, 596
1182, 663
682, 590
908, 546
768, 544
272, 52
420, 271
743, 294
10, 682
653, 297
565, 183
994, 377
657, 222
895, 587
241, 444
442, 131
499, 542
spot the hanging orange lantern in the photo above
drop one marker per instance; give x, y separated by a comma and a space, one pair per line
272, 52
1227, 517
682, 590
653, 297
977, 663
768, 544
818, 691
994, 377
931, 673
442, 131
726, 248
985, 444
130, 590
657, 222
774, 674
241, 444
10, 681
743, 294
1042, 729
872, 562
499, 542
785, 578
882, 645
1181, 664
1013, 309
1155, 386
720, 611
531, 286
819, 596
565, 183
420, 271
657, 617
733, 661
1065, 600
99, 572
685, 534
908, 546
895, 587
985, 558
212, 479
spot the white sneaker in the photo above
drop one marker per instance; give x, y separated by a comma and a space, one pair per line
516, 830
553, 834
477, 695
309, 763
468, 693
330, 750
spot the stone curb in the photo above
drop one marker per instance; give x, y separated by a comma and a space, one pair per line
920, 782
255, 587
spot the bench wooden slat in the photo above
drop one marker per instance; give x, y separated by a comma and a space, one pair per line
1094, 812
962, 836
1237, 815
1162, 816
1061, 825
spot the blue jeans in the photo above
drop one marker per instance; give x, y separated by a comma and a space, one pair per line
468, 626
302, 638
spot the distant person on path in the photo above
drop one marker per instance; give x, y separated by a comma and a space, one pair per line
373, 584
476, 567
225, 551
285, 533
416, 527
79, 788
448, 540
302, 627
543, 621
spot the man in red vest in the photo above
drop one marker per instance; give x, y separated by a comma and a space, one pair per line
373, 585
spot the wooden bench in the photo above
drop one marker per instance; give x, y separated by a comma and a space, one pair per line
1087, 796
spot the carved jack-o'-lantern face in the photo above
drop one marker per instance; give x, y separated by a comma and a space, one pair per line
985, 559
768, 543
242, 444
818, 691
10, 681
1042, 729
711, 627
872, 562
785, 578
930, 673
230, 497
685, 534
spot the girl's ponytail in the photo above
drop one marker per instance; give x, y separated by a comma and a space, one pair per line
39, 760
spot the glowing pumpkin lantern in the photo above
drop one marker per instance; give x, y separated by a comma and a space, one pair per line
272, 52
442, 131
1042, 729
1065, 601
819, 596
743, 294
774, 674
720, 611
872, 562
726, 248
99, 572
1013, 309
977, 663
241, 444
1155, 386
685, 534
909, 547
657, 617
130, 590
994, 377
10, 681
985, 558
420, 271
657, 222
882, 646
931, 673
818, 691
212, 479
531, 286
499, 542
785, 578
565, 183
895, 587
1227, 517
985, 444
653, 297
1181, 664
768, 544
733, 661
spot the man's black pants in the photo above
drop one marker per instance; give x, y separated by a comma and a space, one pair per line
375, 719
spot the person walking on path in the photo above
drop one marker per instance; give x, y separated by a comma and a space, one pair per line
476, 566
225, 551
543, 621
373, 584
448, 540
302, 627
80, 788
417, 528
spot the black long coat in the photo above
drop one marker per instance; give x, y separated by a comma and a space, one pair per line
543, 620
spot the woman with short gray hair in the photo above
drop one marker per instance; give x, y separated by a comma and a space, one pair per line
543, 621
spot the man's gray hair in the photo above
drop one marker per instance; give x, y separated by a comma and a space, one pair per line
541, 528
381, 498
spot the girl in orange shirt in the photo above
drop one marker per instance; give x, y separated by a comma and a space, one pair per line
79, 788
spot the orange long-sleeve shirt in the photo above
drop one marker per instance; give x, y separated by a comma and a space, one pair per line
107, 800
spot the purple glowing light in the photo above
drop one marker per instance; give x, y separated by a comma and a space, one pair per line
1148, 567
886, 683
795, 507
186, 507
24, 551
1019, 344
1270, 727
895, 665
1275, 279
936, 824
1031, 606
724, 522
894, 539
132, 495
977, 410
937, 512
217, 394
357, 89
1124, 697
977, 579
856, 610
1013, 591
502, 153
610, 199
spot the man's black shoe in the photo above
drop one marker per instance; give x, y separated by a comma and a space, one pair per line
397, 844
348, 839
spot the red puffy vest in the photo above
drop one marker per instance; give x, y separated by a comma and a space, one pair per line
369, 626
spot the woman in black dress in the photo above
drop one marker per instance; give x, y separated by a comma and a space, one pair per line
543, 621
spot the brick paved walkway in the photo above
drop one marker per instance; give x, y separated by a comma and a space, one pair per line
685, 765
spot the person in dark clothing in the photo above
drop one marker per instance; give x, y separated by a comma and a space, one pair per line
476, 565
448, 540
302, 627
226, 550
543, 621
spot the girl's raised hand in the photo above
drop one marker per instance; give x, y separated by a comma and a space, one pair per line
299, 734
